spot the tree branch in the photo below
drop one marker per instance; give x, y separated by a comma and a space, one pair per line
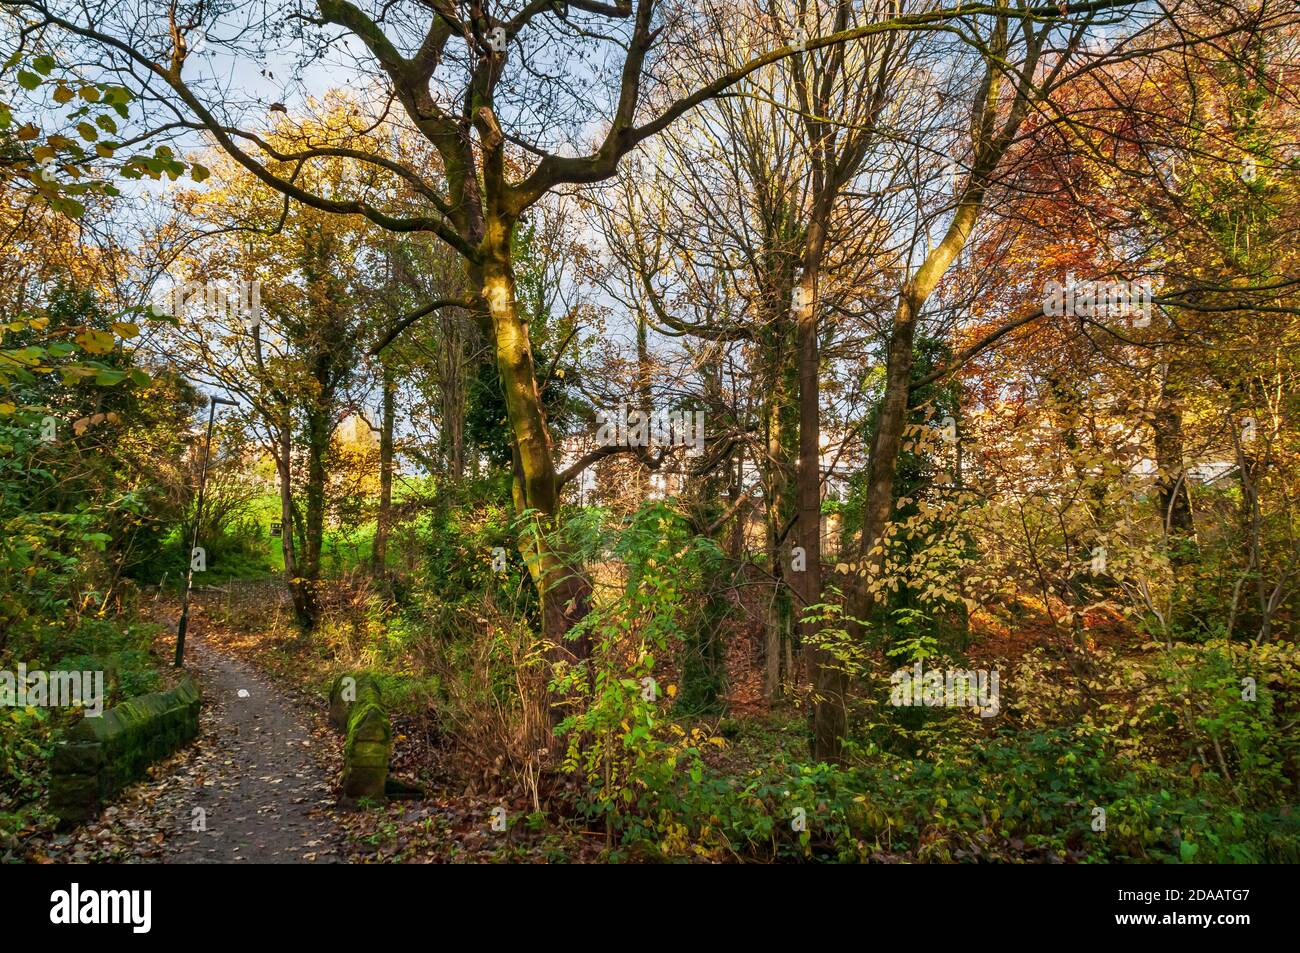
404, 322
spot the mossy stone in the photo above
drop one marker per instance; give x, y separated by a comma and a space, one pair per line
105, 753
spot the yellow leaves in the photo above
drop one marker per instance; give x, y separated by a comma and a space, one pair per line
89, 93
41, 153
27, 132
125, 329
6, 408
95, 342
63, 94
104, 151
87, 131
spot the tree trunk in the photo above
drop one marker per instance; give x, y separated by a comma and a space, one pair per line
318, 435
830, 682
563, 591
1171, 475
384, 519
306, 610
451, 389
989, 144
1249, 466
892, 419
703, 663
777, 483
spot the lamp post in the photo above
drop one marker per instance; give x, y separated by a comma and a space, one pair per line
194, 542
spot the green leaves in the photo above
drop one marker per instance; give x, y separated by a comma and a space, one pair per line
50, 351
117, 97
154, 167
93, 116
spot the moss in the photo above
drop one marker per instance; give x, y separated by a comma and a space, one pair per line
102, 755
365, 688
369, 743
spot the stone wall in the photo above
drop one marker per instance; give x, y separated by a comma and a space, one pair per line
103, 755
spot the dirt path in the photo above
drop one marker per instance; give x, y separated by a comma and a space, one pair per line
260, 793
247, 790
259, 783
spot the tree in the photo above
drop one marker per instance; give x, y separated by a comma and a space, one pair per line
294, 355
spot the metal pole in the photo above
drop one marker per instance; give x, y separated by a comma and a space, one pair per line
198, 515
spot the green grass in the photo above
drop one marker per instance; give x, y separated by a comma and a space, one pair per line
262, 554
340, 549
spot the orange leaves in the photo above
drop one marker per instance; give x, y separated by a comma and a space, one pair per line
95, 342
80, 426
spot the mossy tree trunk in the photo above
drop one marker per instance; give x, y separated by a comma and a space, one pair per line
561, 586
